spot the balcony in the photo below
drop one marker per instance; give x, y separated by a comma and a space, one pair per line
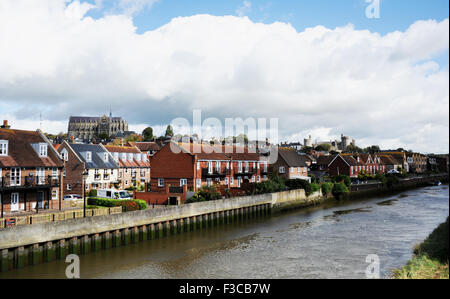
28, 182
215, 173
247, 172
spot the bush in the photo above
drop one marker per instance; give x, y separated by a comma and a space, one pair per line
93, 193
129, 205
206, 193
391, 181
326, 188
343, 179
339, 189
314, 188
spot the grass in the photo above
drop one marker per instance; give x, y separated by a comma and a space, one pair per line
430, 259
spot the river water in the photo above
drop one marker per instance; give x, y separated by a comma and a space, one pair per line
330, 241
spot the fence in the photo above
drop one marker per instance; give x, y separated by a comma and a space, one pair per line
56, 217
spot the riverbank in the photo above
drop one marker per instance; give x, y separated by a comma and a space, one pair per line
430, 259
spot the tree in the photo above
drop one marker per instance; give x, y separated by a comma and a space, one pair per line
353, 149
169, 131
372, 149
324, 147
148, 134
306, 149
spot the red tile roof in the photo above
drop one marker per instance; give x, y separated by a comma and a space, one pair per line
22, 154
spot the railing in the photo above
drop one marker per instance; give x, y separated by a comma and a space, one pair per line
246, 172
8, 182
215, 172
176, 190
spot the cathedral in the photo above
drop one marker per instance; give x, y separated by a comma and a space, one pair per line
87, 128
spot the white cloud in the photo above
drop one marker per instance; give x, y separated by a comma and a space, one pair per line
243, 9
377, 89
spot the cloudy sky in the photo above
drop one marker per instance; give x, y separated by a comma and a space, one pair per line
322, 67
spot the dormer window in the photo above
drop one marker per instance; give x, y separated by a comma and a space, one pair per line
130, 157
43, 149
88, 157
138, 157
124, 156
3, 147
116, 157
144, 157
65, 155
105, 157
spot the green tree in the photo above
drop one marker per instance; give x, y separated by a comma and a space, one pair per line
353, 149
339, 190
103, 136
324, 147
169, 131
148, 134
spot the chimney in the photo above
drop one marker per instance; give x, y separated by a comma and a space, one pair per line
5, 125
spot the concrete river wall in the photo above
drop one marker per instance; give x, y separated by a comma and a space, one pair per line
33, 244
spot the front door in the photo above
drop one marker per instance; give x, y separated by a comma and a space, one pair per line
40, 199
14, 202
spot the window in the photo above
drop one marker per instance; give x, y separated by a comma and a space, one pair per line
228, 165
183, 182
65, 155
40, 175
282, 169
239, 166
218, 166
299, 169
116, 157
105, 157
130, 157
124, 156
210, 168
64, 172
198, 183
226, 181
239, 182
55, 194
88, 157
1, 177
209, 182
55, 173
198, 165
160, 182
231, 181
3, 147
291, 169
258, 179
43, 150
246, 167
138, 157
69, 187
265, 166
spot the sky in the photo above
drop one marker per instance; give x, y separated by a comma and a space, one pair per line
321, 67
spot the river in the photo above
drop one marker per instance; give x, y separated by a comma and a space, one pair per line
328, 241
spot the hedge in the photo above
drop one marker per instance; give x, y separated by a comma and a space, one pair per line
128, 205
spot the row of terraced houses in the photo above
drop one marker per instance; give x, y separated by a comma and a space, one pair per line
36, 174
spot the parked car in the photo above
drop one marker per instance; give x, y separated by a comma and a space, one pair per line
393, 171
72, 197
113, 194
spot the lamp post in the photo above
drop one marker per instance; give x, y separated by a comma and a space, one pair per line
85, 175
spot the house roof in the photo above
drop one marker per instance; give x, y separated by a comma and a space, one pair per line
21, 152
238, 153
325, 160
146, 146
128, 150
97, 151
292, 158
388, 160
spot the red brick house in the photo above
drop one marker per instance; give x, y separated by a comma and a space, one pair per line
194, 165
30, 172
197, 165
